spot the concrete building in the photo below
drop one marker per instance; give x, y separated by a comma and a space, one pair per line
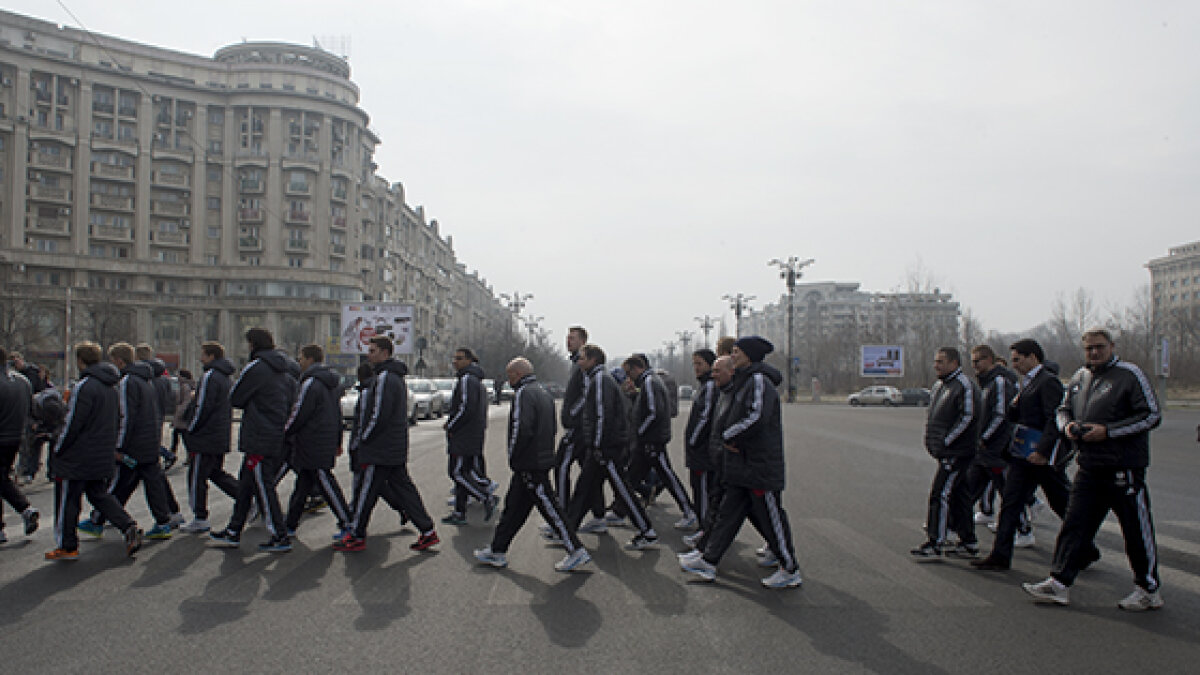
1175, 296
176, 198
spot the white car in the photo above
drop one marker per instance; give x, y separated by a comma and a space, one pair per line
349, 402
876, 395
427, 397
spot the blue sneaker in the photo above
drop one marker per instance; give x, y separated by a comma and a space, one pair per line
276, 545
487, 556
574, 560
90, 527
160, 531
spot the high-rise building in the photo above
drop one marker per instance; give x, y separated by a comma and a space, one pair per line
175, 198
1175, 296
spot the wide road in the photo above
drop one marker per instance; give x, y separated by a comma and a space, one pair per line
857, 486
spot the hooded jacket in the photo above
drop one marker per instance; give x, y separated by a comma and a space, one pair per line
652, 410
1118, 395
383, 417
754, 428
315, 424
999, 385
162, 386
467, 419
264, 393
952, 421
16, 395
140, 428
603, 421
531, 427
84, 449
208, 430
1036, 406
699, 426
722, 397
572, 406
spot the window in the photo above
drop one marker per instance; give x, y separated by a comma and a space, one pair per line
47, 278
212, 260
214, 233
170, 287
45, 245
295, 262
97, 251
335, 265
214, 174
215, 147
213, 288
216, 116
214, 203
251, 260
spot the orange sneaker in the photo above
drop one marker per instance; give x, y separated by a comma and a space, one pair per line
62, 554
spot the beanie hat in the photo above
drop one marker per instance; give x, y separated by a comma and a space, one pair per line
754, 347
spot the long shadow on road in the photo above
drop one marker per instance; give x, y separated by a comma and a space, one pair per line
570, 621
21, 596
227, 596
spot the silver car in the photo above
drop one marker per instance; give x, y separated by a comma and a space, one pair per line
876, 395
350, 401
428, 398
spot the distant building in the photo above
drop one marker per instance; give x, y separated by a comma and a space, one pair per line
183, 198
1175, 294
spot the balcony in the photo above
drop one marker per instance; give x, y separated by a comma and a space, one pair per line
298, 189
299, 217
339, 222
110, 232
161, 208
251, 157
250, 215
102, 107
48, 225
127, 111
112, 171
296, 246
249, 244
175, 180
45, 160
49, 193
337, 249
298, 159
115, 202
164, 150
170, 238
124, 143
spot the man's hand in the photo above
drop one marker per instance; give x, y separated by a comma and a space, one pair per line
1095, 433
730, 448
1035, 458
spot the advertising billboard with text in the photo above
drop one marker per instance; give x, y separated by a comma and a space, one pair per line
882, 361
361, 322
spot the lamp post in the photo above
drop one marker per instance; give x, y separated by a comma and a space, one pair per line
789, 271
738, 303
685, 339
531, 324
706, 325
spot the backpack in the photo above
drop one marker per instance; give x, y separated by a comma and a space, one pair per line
48, 408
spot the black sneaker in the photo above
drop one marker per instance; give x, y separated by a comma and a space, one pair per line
927, 552
133, 540
30, 515
489, 507
225, 539
962, 550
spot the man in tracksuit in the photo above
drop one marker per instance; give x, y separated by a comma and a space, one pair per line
465, 426
755, 475
315, 430
366, 375
16, 397
572, 409
986, 474
207, 435
1033, 408
81, 460
137, 445
697, 435
382, 450
652, 429
603, 434
161, 380
531, 430
1108, 412
263, 392
951, 437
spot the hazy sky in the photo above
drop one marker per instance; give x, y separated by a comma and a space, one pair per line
629, 162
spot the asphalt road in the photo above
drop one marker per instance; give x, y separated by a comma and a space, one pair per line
857, 486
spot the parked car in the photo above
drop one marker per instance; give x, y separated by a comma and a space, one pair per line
506, 392
686, 392
349, 401
428, 397
556, 390
915, 396
446, 386
489, 386
876, 395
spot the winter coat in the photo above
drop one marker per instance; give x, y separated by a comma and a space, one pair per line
652, 411
999, 385
160, 378
753, 427
699, 426
84, 449
952, 420
315, 425
603, 421
208, 428
1118, 395
467, 420
16, 395
263, 392
183, 406
531, 427
140, 430
383, 417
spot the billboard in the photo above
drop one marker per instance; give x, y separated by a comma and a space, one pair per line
361, 322
882, 361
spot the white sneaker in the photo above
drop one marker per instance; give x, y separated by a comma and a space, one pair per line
694, 538
573, 560
1023, 540
982, 518
486, 556
698, 566
197, 526
992, 526
641, 542
594, 526
687, 522
1141, 600
1049, 590
783, 579
613, 520
177, 520
768, 560
688, 556
762, 550
551, 537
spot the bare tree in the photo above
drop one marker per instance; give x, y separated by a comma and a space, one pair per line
971, 330
22, 322
104, 320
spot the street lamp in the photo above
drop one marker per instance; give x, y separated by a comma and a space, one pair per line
706, 325
685, 339
789, 271
531, 324
738, 303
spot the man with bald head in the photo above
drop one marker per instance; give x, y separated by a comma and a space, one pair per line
531, 432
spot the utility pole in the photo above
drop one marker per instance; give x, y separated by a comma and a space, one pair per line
706, 325
738, 303
789, 271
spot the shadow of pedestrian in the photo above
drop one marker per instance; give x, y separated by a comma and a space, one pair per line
304, 577
382, 591
227, 596
661, 594
168, 562
21, 596
569, 620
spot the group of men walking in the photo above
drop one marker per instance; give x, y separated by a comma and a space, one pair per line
1021, 431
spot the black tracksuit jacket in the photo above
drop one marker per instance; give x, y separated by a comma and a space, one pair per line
84, 449
952, 424
383, 417
208, 432
603, 420
753, 426
264, 392
531, 427
652, 410
140, 429
16, 396
315, 424
999, 385
466, 422
699, 426
1118, 395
